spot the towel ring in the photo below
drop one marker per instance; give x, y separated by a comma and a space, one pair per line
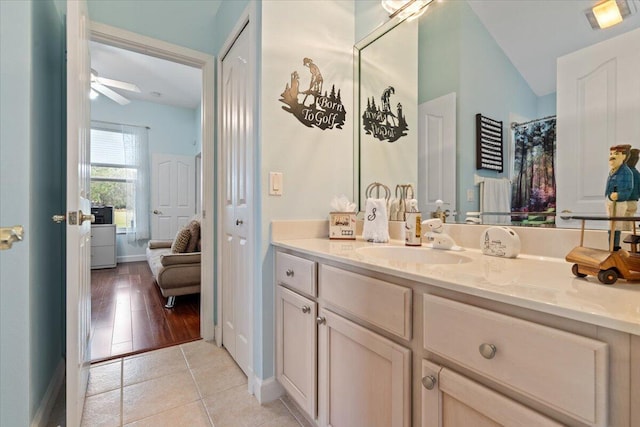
377, 187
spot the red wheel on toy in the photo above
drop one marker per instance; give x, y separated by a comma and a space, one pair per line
574, 270
608, 277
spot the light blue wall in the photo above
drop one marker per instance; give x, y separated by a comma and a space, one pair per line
547, 105
188, 23
457, 54
31, 176
173, 130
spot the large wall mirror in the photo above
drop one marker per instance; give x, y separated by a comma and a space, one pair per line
500, 59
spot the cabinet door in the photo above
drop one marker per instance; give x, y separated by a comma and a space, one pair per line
451, 400
296, 350
363, 378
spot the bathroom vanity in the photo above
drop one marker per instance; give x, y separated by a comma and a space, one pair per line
416, 337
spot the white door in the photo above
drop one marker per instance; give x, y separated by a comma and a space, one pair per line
173, 194
598, 107
237, 187
78, 230
437, 153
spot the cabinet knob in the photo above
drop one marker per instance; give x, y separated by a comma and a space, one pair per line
488, 351
306, 309
289, 273
321, 320
429, 382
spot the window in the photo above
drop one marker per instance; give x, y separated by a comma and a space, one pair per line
119, 175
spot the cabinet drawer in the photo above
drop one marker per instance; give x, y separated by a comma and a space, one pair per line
380, 303
103, 256
295, 272
564, 371
103, 235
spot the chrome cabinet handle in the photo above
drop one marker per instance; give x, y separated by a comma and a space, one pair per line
289, 273
306, 309
429, 382
9, 235
488, 351
321, 320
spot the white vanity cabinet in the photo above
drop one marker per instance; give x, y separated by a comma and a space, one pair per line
297, 347
565, 372
330, 350
364, 379
452, 400
296, 332
364, 347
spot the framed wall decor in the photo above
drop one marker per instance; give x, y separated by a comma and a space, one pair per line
488, 143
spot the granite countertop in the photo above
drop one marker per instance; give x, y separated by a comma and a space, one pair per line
538, 283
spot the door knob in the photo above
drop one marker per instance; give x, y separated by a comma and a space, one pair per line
157, 212
59, 218
239, 222
86, 217
8, 235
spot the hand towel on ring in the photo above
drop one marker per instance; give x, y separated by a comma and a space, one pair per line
376, 222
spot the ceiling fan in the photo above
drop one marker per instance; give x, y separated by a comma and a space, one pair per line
99, 85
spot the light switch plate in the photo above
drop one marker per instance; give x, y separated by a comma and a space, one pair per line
275, 183
470, 195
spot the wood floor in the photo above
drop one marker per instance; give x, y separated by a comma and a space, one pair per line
128, 314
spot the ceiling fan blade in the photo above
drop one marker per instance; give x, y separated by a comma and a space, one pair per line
118, 84
109, 93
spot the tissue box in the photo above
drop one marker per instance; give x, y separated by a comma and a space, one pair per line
342, 225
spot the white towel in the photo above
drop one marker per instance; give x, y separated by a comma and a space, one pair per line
376, 222
496, 197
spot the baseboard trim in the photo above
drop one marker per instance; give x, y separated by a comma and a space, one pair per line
131, 258
267, 390
218, 336
41, 417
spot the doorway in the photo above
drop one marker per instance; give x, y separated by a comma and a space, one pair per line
132, 278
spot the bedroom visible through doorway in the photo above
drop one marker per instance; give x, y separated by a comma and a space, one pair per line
165, 97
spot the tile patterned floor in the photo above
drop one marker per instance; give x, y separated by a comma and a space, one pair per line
192, 385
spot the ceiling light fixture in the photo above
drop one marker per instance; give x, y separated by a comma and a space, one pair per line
608, 13
405, 8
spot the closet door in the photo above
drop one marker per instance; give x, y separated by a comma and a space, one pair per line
237, 195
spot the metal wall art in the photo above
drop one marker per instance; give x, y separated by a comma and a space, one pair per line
381, 122
310, 106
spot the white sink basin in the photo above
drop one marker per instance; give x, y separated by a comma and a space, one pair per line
418, 255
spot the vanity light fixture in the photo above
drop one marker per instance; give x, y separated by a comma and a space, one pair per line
608, 13
405, 8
